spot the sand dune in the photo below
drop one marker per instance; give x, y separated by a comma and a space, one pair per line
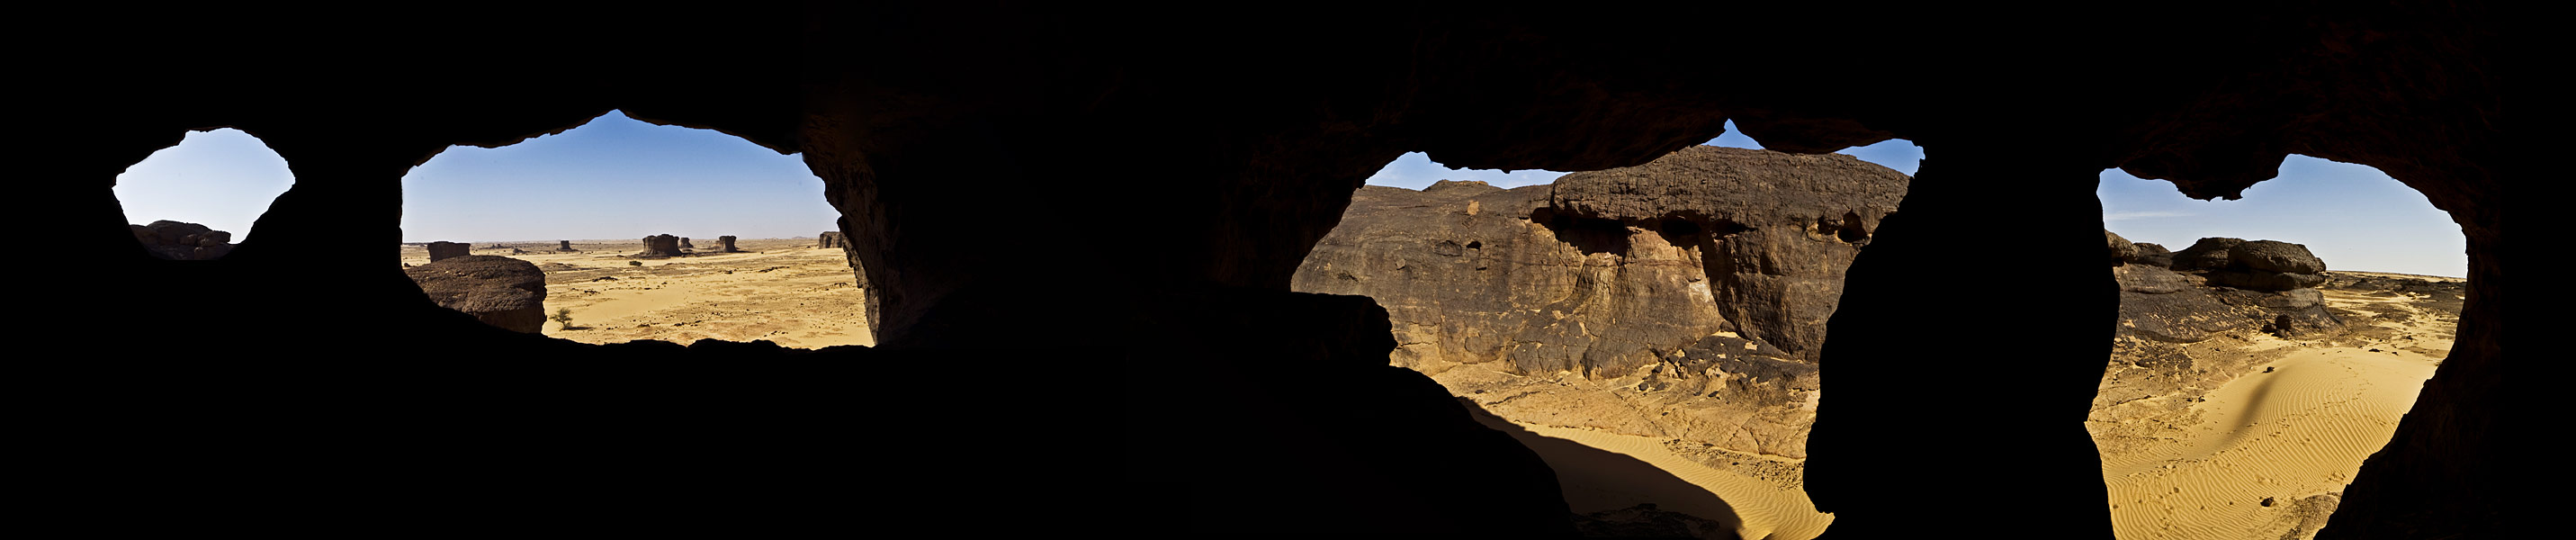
2271, 449
1607, 471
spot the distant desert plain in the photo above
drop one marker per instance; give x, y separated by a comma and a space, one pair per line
785, 291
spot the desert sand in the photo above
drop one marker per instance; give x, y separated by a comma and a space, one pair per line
2264, 455
2261, 455
782, 290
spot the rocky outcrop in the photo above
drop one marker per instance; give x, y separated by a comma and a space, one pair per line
1702, 280
180, 241
564, 245
661, 246
725, 245
684, 243
500, 291
440, 251
832, 239
2219, 285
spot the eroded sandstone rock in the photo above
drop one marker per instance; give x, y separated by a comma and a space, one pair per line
500, 291
831, 239
725, 244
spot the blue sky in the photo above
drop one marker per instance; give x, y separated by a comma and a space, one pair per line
617, 178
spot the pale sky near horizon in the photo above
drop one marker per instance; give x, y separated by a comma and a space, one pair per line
618, 178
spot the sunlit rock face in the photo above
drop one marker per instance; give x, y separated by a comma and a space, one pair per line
1697, 285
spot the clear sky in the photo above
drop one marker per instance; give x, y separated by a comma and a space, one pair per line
618, 178
2353, 216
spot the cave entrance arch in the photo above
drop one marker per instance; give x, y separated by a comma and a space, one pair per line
2249, 381
645, 232
1650, 331
196, 200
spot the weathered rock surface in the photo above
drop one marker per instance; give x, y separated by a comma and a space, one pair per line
662, 245
1696, 285
181, 241
2231, 285
500, 291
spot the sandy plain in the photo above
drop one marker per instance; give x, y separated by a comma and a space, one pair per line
2261, 455
782, 290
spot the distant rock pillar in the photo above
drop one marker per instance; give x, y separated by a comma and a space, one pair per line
684, 243
727, 242
661, 245
563, 245
833, 239
439, 251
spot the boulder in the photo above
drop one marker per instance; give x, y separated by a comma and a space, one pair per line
500, 291
2206, 254
2151, 254
2275, 256
2121, 250
440, 251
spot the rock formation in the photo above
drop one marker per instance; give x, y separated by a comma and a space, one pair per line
1215, 167
725, 244
440, 251
500, 291
564, 245
1706, 275
831, 239
684, 243
661, 246
179, 241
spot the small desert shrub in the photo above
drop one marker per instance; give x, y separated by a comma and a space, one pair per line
563, 316
635, 263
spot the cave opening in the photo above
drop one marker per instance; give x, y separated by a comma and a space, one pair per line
629, 230
196, 200
2267, 345
1650, 331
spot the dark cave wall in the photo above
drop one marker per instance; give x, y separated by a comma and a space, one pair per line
1075, 196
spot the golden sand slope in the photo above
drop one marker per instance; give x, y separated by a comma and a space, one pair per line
1602, 471
2267, 443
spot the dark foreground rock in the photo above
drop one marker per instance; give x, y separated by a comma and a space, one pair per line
181, 241
500, 291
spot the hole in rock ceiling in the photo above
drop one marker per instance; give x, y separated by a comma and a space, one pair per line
589, 208
194, 201
2267, 370
1667, 313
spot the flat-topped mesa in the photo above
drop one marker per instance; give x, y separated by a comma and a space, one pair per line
500, 291
725, 245
181, 241
440, 251
660, 246
832, 239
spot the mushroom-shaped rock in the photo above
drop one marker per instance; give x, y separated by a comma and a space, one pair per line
500, 291
661, 245
440, 251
